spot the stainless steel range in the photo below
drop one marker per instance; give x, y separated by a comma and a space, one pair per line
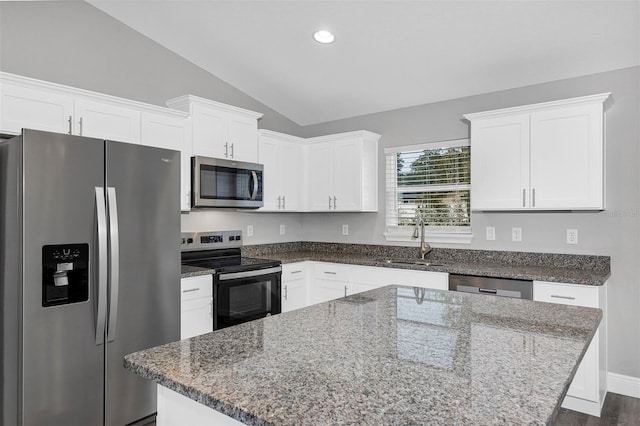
244, 288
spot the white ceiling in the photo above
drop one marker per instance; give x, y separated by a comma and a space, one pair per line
387, 54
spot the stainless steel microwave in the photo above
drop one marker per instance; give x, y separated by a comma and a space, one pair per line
225, 183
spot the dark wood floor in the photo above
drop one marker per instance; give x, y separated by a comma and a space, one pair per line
618, 410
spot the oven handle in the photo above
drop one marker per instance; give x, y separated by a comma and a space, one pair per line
248, 274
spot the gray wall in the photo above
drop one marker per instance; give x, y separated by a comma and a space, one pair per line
614, 232
75, 44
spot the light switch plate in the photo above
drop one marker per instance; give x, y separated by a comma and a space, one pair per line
572, 236
282, 229
345, 229
249, 230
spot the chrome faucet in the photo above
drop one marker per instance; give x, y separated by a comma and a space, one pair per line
424, 247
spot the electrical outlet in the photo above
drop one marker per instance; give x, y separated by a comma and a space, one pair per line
249, 230
491, 233
516, 234
282, 230
345, 229
572, 236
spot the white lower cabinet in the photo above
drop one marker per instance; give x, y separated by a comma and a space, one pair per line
589, 386
196, 306
332, 281
294, 286
329, 281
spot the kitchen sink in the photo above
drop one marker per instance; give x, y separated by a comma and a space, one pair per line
408, 262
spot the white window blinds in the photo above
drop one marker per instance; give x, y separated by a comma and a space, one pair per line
430, 181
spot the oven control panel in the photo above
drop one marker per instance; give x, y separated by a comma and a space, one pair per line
210, 240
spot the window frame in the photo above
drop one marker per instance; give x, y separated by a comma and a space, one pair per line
433, 234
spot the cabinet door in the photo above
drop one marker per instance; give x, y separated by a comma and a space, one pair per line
105, 121
269, 156
320, 175
294, 286
164, 131
500, 163
291, 179
567, 158
325, 290
242, 137
347, 175
209, 132
22, 107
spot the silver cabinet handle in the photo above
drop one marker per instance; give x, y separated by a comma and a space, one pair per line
329, 202
524, 191
555, 296
335, 203
226, 150
330, 272
70, 120
285, 292
80, 123
114, 248
189, 290
232, 155
101, 216
211, 307
345, 291
284, 206
533, 195
296, 272
278, 202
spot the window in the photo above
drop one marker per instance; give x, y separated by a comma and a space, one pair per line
432, 182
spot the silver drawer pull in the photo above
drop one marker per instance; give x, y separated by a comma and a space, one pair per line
330, 273
190, 290
555, 296
296, 272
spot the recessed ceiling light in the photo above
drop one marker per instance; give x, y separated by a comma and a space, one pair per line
324, 36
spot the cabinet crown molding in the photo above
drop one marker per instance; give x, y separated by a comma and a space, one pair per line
32, 83
184, 103
280, 136
590, 99
365, 134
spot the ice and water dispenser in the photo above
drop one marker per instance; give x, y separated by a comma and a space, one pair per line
65, 274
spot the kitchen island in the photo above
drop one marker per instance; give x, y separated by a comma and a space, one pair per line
394, 355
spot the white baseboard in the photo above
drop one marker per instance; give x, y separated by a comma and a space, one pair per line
623, 385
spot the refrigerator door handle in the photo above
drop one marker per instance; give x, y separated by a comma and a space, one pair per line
114, 263
102, 265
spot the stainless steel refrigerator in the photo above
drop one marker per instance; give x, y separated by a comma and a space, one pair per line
89, 270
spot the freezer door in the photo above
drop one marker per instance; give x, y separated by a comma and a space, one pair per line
62, 367
144, 308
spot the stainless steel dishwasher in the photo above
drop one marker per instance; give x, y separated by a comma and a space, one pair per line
519, 289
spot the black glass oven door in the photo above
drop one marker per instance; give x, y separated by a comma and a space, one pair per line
245, 296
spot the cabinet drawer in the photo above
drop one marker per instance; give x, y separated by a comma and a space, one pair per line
293, 271
331, 272
565, 294
196, 287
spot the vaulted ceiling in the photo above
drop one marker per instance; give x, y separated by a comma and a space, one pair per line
387, 54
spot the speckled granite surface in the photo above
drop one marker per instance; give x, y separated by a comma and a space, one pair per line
393, 355
573, 269
194, 271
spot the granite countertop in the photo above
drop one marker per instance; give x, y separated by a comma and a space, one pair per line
563, 274
392, 355
187, 271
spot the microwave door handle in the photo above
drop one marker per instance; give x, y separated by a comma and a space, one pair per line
254, 177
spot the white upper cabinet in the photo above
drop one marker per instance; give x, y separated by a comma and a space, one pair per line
547, 156
30, 103
33, 108
171, 130
282, 158
220, 130
342, 172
